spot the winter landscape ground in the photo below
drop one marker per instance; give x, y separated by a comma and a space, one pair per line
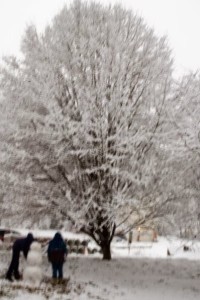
144, 273
98, 135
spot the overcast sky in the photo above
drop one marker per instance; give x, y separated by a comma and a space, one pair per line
179, 19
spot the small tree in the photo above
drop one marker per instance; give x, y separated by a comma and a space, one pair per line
92, 88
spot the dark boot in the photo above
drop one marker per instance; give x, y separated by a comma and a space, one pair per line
9, 277
17, 276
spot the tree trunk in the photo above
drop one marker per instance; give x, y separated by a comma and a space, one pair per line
106, 251
103, 237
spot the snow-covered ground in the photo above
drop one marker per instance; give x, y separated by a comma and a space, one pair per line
144, 273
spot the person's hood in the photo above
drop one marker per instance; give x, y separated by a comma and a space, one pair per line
58, 236
30, 237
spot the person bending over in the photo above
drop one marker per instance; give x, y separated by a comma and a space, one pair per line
20, 245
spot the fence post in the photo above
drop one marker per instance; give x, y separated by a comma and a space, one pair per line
130, 239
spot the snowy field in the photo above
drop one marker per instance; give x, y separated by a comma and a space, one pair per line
145, 273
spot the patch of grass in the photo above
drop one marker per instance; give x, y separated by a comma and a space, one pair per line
4, 291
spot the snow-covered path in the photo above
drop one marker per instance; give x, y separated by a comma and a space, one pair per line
121, 279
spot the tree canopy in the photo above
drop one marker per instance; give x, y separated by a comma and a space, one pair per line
89, 97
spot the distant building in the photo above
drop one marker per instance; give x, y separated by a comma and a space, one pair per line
143, 234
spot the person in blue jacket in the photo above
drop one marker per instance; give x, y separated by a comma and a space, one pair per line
20, 245
57, 250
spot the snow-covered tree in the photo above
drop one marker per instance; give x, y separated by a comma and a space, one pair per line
90, 94
185, 144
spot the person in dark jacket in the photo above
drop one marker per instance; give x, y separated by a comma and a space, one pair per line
57, 250
20, 245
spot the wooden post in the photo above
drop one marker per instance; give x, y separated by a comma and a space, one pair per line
138, 236
130, 239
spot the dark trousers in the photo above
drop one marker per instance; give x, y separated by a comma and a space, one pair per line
14, 266
57, 269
